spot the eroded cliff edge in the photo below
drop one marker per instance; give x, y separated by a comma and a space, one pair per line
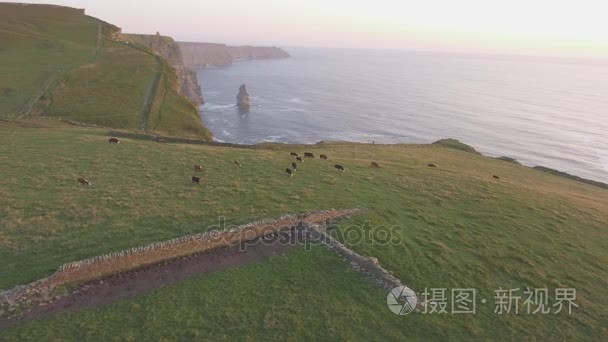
196, 55
168, 49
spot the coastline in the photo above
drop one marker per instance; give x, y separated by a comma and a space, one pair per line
269, 145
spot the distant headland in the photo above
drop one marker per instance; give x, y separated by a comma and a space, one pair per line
196, 55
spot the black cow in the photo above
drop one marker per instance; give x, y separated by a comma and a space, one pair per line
376, 165
432, 165
496, 177
237, 164
196, 180
339, 167
288, 172
308, 155
300, 159
323, 156
293, 154
113, 141
294, 166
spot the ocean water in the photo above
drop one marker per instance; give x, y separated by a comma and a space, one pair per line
547, 112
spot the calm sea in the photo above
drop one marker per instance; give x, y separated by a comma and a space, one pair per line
546, 112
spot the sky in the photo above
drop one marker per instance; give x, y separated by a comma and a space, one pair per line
576, 28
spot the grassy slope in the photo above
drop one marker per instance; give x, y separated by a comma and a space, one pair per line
459, 228
103, 82
36, 44
84, 94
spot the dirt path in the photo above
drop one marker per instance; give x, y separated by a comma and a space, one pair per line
129, 284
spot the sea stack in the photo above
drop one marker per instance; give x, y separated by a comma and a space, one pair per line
242, 99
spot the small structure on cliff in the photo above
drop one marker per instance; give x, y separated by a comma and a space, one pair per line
242, 99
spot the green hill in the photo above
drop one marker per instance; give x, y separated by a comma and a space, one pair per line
457, 227
452, 226
56, 61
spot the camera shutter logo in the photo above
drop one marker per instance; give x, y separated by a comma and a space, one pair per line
401, 300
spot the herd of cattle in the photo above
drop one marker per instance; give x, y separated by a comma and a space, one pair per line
289, 170
294, 165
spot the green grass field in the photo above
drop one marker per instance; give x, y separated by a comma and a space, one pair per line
457, 227
56, 61
37, 44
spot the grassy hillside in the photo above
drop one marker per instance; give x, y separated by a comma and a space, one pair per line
456, 227
38, 44
59, 62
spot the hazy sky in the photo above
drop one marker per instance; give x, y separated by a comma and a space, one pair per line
534, 27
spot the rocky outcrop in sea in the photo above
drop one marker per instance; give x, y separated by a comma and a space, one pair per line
242, 98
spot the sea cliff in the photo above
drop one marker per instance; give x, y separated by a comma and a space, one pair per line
168, 49
210, 54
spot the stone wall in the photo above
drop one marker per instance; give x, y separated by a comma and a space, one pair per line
120, 261
367, 265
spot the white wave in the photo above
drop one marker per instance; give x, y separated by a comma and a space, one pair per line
275, 138
292, 110
226, 133
295, 100
213, 106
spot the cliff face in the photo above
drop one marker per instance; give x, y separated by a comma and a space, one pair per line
205, 54
209, 54
256, 52
167, 48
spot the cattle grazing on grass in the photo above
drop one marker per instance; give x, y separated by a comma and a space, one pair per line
288, 172
237, 164
496, 177
196, 180
376, 165
293, 154
83, 181
113, 141
300, 159
198, 168
323, 156
308, 155
432, 165
161, 140
294, 166
339, 167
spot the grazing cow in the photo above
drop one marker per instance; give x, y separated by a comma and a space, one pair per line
288, 172
300, 159
293, 154
196, 180
161, 140
308, 155
198, 168
113, 141
237, 164
339, 167
376, 165
495, 177
83, 181
323, 156
432, 165
294, 166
